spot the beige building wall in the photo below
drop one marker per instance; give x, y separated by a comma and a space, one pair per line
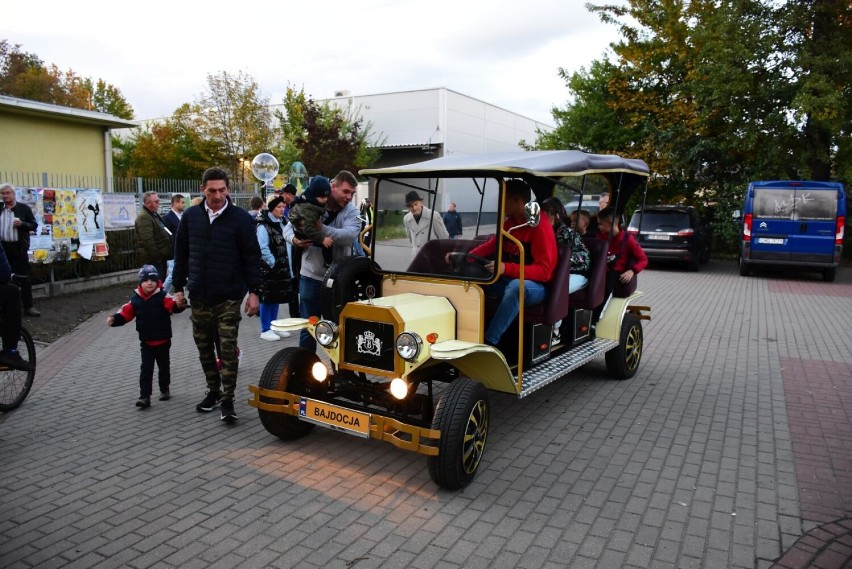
35, 144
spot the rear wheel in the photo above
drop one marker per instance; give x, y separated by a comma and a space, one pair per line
623, 361
692, 264
462, 416
745, 269
15, 384
829, 274
289, 370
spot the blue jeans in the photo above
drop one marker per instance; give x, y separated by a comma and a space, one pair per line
268, 313
507, 290
167, 284
310, 304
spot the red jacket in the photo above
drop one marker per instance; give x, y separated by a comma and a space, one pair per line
628, 253
539, 250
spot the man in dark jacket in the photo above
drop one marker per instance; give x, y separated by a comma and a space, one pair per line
453, 222
16, 223
217, 259
10, 324
153, 242
172, 220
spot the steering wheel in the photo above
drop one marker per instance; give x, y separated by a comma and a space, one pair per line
470, 265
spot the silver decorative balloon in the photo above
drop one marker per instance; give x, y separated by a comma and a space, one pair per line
264, 167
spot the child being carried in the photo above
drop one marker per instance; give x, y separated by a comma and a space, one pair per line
306, 216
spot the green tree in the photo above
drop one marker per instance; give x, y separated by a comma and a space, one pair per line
325, 138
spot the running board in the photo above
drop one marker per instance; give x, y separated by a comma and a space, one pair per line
554, 368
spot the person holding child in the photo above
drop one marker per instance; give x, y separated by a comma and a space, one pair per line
152, 309
306, 216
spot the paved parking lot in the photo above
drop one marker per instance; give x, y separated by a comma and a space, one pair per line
732, 447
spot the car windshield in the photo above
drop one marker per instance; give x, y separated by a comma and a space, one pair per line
661, 221
411, 223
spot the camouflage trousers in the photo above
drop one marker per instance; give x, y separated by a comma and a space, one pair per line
215, 328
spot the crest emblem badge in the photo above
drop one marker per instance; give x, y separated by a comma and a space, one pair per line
369, 344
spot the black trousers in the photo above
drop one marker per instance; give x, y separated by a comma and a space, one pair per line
10, 308
20, 263
160, 355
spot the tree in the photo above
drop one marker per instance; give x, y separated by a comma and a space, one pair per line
25, 76
326, 139
234, 116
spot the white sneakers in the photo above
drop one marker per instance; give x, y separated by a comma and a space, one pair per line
270, 335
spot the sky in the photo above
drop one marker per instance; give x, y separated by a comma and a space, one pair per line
159, 54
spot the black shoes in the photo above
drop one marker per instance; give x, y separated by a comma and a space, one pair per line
13, 359
228, 414
143, 402
165, 396
210, 401
31, 312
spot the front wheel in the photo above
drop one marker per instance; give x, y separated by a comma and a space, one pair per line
623, 360
288, 370
15, 384
462, 415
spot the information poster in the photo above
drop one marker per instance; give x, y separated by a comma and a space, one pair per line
90, 223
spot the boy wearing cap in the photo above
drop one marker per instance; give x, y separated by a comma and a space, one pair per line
306, 216
152, 310
418, 221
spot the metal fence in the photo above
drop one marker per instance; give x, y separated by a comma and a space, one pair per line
122, 242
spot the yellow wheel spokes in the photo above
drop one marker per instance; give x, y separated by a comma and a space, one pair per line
474, 437
633, 348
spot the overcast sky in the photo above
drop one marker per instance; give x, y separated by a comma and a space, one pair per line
158, 53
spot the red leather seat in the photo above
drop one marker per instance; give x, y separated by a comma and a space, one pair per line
592, 295
555, 305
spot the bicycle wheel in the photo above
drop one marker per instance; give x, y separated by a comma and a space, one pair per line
15, 384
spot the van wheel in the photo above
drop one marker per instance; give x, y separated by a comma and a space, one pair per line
745, 270
623, 360
288, 370
462, 415
829, 274
346, 281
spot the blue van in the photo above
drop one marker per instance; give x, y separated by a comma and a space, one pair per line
794, 224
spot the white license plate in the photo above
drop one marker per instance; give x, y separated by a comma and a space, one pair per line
770, 241
334, 417
655, 237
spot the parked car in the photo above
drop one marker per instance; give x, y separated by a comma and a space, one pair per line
589, 203
797, 224
402, 333
672, 233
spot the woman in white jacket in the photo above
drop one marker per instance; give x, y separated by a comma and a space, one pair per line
417, 222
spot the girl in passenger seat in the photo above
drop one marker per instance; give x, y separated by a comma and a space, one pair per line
580, 259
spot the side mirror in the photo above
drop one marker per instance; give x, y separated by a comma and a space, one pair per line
532, 211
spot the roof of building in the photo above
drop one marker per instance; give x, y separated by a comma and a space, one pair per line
57, 112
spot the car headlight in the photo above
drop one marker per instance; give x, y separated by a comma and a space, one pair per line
408, 346
326, 333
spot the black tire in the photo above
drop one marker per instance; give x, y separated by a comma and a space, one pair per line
462, 415
745, 269
15, 384
623, 360
828, 275
288, 370
693, 264
346, 281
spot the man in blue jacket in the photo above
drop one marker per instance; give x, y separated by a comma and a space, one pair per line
217, 259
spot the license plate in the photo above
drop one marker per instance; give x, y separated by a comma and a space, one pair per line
334, 417
770, 241
655, 237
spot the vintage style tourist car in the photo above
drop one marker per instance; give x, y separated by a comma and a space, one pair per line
403, 357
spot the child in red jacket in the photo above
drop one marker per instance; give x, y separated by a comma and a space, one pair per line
152, 310
625, 258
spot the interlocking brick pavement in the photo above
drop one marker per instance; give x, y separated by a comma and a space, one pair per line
712, 456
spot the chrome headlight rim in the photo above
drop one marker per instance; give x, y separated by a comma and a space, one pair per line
326, 333
409, 345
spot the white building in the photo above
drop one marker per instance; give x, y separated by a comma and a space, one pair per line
412, 126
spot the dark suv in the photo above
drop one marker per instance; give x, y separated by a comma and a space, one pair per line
672, 233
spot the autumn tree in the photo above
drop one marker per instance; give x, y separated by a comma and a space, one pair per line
234, 116
25, 76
